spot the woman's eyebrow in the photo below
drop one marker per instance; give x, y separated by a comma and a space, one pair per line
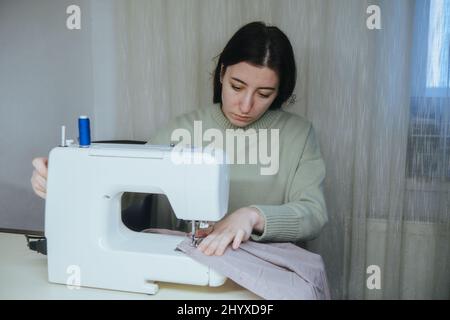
264, 88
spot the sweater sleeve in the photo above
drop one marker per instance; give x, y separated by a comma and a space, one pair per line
304, 214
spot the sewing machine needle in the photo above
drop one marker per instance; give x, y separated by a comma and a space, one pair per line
193, 234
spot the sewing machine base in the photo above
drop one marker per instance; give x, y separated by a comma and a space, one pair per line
135, 264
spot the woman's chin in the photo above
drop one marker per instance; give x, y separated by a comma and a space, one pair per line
240, 124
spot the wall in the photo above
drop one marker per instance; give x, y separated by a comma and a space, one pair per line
47, 80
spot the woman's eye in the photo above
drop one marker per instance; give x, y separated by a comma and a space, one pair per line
265, 96
236, 88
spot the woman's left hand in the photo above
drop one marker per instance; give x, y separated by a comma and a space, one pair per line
234, 228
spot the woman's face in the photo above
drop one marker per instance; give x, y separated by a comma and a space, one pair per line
247, 92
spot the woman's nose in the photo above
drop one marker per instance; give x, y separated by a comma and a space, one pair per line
246, 103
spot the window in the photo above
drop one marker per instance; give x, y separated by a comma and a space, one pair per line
428, 152
438, 47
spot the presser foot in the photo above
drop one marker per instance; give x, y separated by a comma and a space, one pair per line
196, 241
199, 231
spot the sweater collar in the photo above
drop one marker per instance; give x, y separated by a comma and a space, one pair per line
265, 122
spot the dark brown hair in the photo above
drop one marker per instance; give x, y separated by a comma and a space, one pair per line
260, 45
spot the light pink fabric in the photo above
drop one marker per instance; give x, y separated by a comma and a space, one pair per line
271, 270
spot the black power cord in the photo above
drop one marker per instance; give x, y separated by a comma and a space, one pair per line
37, 243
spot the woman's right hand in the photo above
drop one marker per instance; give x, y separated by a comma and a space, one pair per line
39, 177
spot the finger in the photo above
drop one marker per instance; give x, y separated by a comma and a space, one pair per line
34, 183
37, 188
223, 244
41, 166
212, 246
39, 182
238, 239
41, 194
206, 242
38, 191
42, 181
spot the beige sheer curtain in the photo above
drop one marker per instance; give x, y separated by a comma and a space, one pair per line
353, 84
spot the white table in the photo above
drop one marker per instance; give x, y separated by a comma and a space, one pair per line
23, 275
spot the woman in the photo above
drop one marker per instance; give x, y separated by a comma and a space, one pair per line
254, 77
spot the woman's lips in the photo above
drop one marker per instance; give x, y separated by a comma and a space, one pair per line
240, 118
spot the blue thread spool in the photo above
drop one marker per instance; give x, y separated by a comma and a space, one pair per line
84, 130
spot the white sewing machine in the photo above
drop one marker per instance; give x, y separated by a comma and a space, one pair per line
87, 243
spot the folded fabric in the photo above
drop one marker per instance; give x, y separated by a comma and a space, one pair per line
273, 271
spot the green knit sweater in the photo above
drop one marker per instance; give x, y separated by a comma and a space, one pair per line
291, 201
